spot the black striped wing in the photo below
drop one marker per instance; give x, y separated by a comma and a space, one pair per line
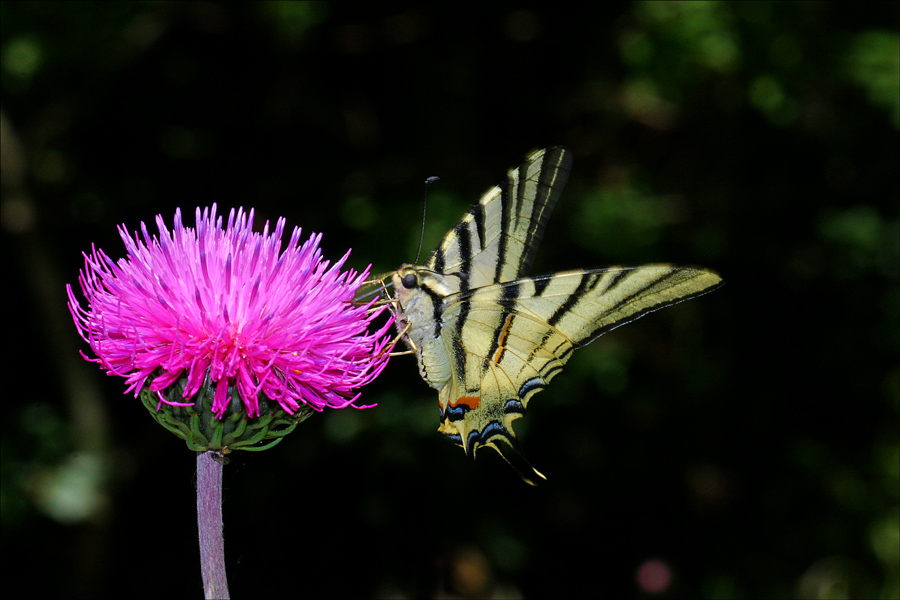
497, 238
508, 340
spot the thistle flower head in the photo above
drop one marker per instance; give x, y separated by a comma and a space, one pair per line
229, 310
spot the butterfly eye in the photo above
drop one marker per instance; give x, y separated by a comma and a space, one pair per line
409, 281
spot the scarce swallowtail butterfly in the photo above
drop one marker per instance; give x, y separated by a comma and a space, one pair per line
487, 336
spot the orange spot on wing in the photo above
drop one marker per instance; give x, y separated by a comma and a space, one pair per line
469, 401
500, 343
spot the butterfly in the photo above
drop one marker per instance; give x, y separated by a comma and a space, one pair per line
487, 336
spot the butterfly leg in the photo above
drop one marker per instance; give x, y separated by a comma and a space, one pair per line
396, 340
376, 306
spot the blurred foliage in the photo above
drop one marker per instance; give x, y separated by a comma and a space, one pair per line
742, 445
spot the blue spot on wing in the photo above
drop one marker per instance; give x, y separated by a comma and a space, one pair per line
531, 386
493, 429
456, 413
454, 438
514, 405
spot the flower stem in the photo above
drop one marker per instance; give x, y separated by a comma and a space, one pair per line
209, 521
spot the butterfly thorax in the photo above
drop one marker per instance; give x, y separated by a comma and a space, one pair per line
420, 294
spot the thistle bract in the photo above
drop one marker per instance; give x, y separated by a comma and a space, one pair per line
228, 338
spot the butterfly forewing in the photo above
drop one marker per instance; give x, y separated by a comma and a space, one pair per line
582, 305
497, 238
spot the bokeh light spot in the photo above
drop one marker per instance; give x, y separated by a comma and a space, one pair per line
654, 576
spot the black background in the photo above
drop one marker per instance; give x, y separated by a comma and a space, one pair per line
747, 439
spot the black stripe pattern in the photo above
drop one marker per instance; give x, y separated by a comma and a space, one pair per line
490, 338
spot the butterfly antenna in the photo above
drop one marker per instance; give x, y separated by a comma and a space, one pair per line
428, 182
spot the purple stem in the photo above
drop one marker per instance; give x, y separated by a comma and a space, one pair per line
209, 521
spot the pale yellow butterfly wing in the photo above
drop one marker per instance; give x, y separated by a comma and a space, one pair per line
496, 240
486, 336
507, 341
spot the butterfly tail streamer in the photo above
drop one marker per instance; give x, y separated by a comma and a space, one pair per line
515, 457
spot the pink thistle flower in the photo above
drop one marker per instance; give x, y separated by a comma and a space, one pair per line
229, 308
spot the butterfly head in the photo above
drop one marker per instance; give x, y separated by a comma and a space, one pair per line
409, 280
412, 282
406, 284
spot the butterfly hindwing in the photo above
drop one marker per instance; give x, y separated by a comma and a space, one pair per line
495, 374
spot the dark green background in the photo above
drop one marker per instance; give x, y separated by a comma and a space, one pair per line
748, 439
